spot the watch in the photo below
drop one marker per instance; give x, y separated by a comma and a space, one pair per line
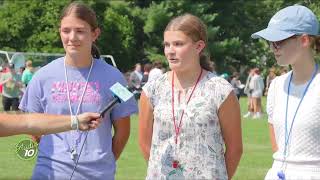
74, 123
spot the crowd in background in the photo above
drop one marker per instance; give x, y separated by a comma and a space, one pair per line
13, 83
255, 87
141, 75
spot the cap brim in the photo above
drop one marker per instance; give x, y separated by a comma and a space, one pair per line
272, 35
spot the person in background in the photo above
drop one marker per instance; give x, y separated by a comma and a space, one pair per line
293, 98
256, 86
135, 80
76, 83
23, 88
21, 69
146, 70
189, 119
37, 124
270, 77
248, 92
127, 77
5, 67
156, 71
225, 76
27, 73
236, 84
11, 84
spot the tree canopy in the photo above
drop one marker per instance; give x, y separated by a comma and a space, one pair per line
132, 31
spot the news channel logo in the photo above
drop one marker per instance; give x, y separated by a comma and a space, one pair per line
26, 149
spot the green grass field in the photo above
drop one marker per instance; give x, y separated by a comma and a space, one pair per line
256, 159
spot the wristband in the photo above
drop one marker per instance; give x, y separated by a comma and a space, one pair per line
74, 123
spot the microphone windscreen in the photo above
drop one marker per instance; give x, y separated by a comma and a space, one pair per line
121, 92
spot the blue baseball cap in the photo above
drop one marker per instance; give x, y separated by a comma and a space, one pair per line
290, 21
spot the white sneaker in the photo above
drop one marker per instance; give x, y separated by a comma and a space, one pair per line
248, 114
257, 115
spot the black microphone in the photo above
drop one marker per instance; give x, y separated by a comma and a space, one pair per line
110, 106
120, 94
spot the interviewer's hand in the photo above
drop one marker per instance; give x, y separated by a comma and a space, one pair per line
89, 121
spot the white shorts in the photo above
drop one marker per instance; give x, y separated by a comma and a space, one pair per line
294, 172
256, 94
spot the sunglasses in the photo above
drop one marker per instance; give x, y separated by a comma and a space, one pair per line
277, 44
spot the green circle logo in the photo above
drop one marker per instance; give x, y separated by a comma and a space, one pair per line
26, 149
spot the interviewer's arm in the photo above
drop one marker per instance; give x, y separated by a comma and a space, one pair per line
39, 124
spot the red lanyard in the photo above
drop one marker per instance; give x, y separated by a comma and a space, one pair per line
177, 129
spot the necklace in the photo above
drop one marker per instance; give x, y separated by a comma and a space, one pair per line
175, 162
73, 150
281, 174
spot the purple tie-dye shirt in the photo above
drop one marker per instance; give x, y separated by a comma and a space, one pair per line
47, 93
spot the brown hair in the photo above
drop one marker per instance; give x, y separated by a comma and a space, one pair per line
315, 42
256, 71
86, 14
147, 67
194, 28
157, 64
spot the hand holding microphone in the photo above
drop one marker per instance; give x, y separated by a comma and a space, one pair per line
88, 121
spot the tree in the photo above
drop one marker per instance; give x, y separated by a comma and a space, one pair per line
119, 34
133, 30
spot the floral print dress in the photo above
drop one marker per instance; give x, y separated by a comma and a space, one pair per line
200, 147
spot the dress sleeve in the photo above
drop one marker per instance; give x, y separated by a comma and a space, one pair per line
149, 90
223, 89
270, 100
